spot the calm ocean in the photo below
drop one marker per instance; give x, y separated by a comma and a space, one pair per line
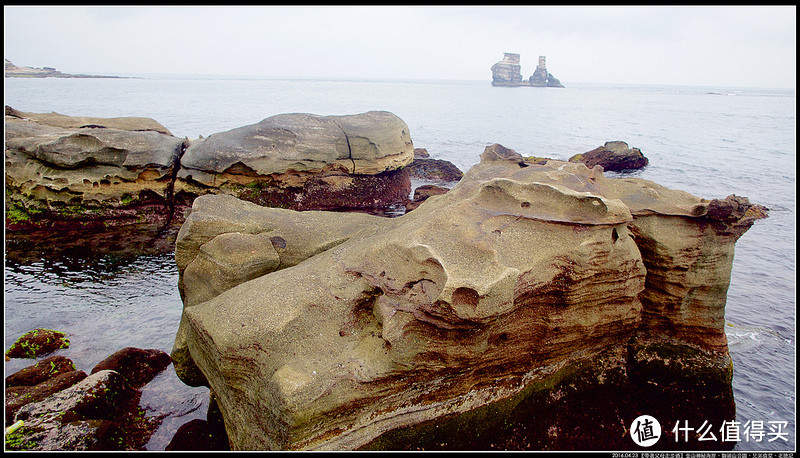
709, 141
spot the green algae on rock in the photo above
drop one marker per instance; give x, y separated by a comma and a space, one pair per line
38, 342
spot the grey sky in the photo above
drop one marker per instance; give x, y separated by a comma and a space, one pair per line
713, 46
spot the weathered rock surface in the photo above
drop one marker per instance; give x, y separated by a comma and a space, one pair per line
227, 241
613, 156
128, 123
502, 309
305, 161
507, 71
62, 174
81, 417
19, 396
92, 175
41, 371
542, 78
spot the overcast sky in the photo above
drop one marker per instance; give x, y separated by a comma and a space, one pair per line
707, 46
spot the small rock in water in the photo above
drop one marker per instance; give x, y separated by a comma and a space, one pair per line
38, 342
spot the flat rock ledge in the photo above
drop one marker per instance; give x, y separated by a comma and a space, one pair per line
66, 174
538, 307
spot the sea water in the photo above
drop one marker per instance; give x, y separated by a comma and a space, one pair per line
709, 141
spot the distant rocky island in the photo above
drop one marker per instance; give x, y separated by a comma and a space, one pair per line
507, 73
12, 70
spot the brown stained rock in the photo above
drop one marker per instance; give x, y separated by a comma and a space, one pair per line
422, 193
421, 153
613, 156
136, 365
41, 371
196, 435
38, 342
18, 396
100, 412
434, 170
331, 189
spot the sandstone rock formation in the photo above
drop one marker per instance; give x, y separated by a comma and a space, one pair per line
304, 161
541, 77
541, 302
507, 73
93, 175
613, 156
64, 172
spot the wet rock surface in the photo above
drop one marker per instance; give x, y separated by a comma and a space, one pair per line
37, 342
136, 365
509, 312
422, 193
62, 408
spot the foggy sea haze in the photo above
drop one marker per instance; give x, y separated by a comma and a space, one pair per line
709, 141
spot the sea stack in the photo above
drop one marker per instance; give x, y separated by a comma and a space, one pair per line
507, 73
541, 78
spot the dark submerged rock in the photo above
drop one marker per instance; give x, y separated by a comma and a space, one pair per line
196, 435
138, 366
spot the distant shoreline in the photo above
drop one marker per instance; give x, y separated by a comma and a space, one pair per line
12, 71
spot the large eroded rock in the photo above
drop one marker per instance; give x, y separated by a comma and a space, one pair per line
64, 173
306, 162
75, 173
510, 305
